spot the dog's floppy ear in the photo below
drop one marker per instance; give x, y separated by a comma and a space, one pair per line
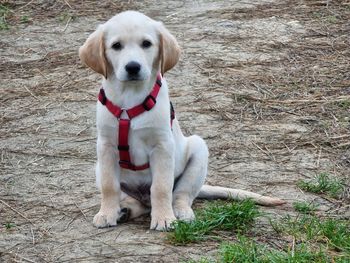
168, 48
92, 53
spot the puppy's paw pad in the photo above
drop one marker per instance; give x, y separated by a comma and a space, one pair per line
102, 220
184, 214
162, 223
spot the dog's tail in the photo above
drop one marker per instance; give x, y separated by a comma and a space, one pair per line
218, 192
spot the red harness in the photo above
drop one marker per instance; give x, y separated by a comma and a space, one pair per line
124, 124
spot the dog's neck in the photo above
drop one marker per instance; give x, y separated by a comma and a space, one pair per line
127, 94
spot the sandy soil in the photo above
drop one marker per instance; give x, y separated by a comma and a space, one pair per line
266, 83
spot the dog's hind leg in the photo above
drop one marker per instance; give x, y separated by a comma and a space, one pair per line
131, 208
190, 182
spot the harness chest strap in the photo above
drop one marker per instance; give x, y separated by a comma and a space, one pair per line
123, 147
124, 124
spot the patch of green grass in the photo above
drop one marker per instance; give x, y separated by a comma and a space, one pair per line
237, 216
317, 15
334, 233
345, 104
337, 232
331, 19
322, 17
4, 13
304, 207
65, 16
314, 239
24, 19
301, 253
9, 225
247, 250
188, 232
219, 215
323, 184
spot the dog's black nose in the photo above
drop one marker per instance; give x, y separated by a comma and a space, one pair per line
133, 68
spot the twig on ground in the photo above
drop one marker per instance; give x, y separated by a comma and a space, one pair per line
67, 3
80, 211
26, 4
343, 145
67, 24
17, 212
31, 93
33, 237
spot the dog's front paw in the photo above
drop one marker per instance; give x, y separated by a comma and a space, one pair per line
106, 218
184, 213
162, 223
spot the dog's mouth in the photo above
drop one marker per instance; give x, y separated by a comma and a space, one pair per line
131, 79
134, 78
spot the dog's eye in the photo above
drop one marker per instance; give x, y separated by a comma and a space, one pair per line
117, 46
146, 44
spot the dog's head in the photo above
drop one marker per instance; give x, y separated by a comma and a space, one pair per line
130, 46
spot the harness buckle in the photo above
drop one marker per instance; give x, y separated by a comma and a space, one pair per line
123, 147
149, 102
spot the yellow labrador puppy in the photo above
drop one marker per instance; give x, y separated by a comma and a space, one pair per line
144, 161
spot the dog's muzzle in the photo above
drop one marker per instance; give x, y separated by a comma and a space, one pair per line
133, 69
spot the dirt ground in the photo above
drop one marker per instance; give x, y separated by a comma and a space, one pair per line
266, 83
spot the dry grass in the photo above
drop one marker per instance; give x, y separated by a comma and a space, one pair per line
63, 10
311, 83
